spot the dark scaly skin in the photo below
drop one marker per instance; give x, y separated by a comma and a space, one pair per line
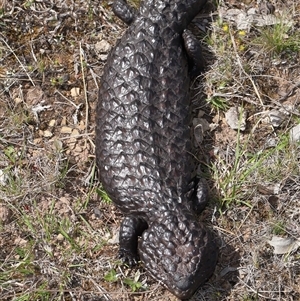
143, 144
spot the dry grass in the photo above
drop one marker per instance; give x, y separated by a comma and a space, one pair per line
58, 236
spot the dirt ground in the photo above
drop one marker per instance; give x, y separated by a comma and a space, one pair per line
58, 230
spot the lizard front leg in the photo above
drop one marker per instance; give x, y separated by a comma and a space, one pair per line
124, 11
131, 228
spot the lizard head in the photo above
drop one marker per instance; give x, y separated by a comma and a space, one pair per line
179, 252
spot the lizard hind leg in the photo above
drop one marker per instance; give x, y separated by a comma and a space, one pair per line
200, 202
194, 53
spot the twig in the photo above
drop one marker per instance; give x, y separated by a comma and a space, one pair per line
84, 89
70, 101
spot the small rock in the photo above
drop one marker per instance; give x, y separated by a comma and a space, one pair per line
81, 125
75, 92
102, 46
295, 133
66, 130
103, 57
276, 117
75, 132
236, 118
47, 134
52, 122
60, 237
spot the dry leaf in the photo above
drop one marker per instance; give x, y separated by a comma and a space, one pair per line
284, 245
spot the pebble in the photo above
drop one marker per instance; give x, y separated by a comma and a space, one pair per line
52, 122
75, 92
75, 132
47, 134
66, 130
81, 125
276, 117
234, 118
295, 133
102, 46
60, 237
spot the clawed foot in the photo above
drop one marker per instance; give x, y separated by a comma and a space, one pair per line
128, 257
131, 228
